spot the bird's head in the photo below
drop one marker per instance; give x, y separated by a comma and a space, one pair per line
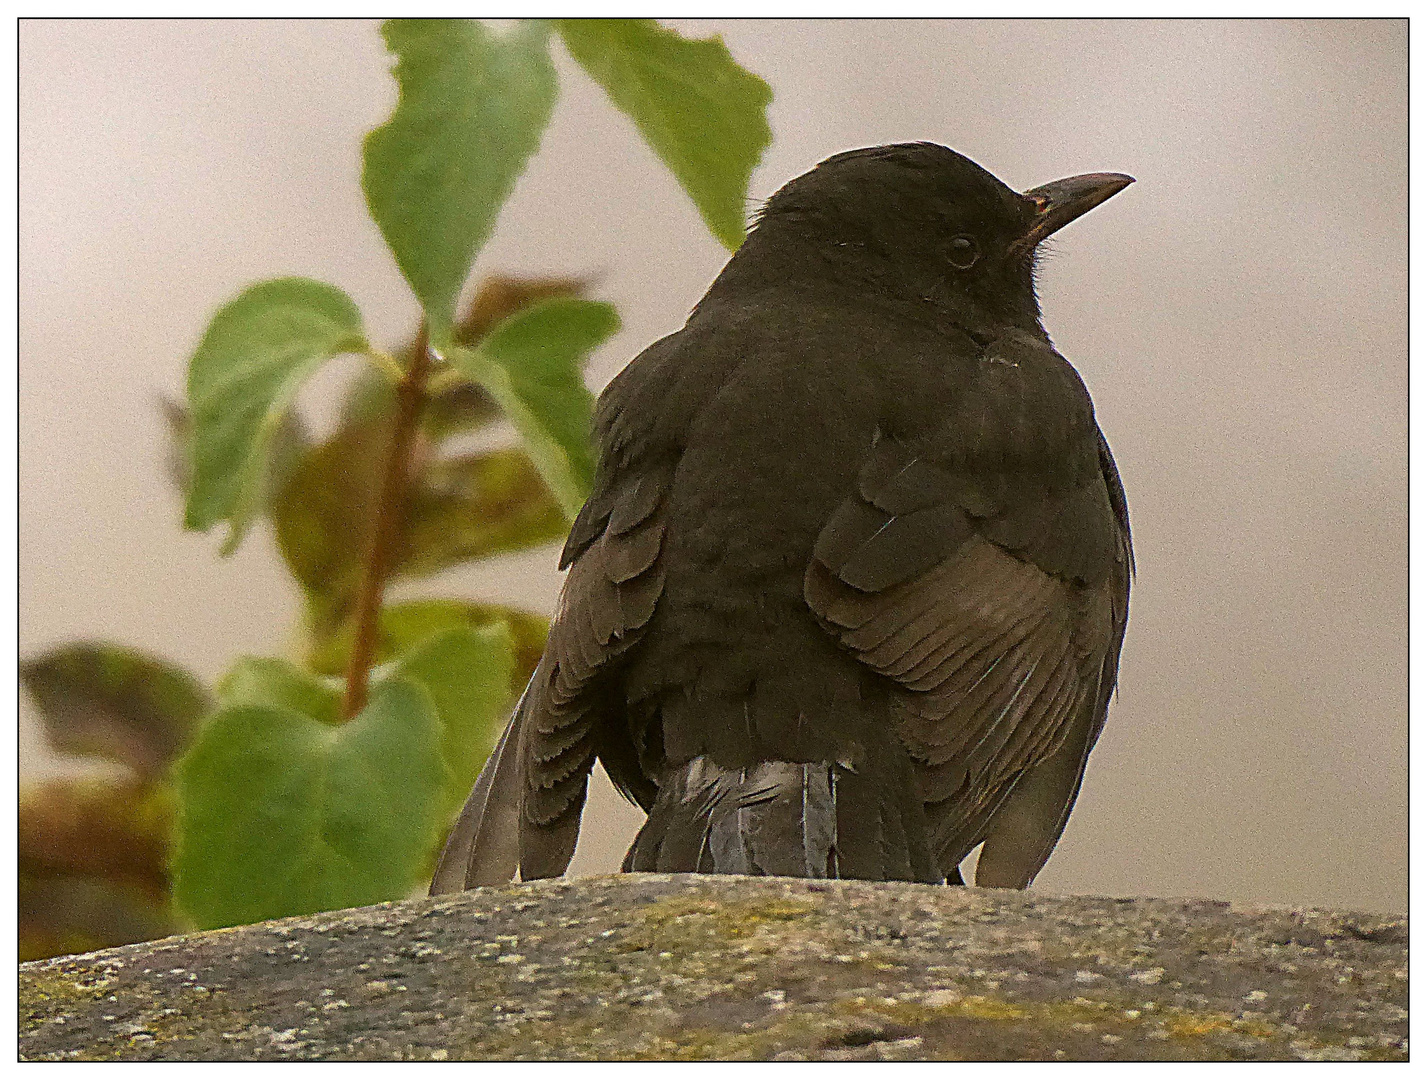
924, 223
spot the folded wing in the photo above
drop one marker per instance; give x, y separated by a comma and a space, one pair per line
523, 815
994, 595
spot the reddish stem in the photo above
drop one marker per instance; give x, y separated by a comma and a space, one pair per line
391, 513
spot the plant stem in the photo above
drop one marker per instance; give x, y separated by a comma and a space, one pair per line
391, 514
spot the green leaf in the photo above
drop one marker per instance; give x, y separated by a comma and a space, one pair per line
530, 364
256, 353
266, 680
477, 506
402, 627
467, 672
500, 296
473, 105
369, 394
288, 443
464, 406
703, 114
115, 703
280, 814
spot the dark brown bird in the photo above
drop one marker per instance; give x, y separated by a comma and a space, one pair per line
848, 597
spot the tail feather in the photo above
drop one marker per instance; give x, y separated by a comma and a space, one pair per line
484, 845
897, 855
859, 850
778, 818
546, 849
802, 809
1027, 825
519, 819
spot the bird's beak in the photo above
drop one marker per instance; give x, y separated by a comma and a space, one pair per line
1062, 201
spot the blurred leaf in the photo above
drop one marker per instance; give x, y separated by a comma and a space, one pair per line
178, 453
476, 506
324, 515
287, 445
458, 408
467, 672
404, 626
465, 406
265, 680
465, 508
499, 296
473, 105
256, 353
369, 394
115, 703
100, 827
703, 114
461, 407
93, 864
280, 814
530, 364
62, 914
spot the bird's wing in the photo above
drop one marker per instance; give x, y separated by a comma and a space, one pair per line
992, 589
524, 811
1033, 815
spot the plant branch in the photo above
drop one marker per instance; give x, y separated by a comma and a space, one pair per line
391, 514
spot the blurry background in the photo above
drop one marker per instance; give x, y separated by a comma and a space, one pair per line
1240, 316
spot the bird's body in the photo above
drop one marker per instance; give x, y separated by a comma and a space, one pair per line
849, 593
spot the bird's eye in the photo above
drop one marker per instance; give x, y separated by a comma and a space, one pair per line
963, 252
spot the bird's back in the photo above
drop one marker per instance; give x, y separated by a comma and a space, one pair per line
752, 706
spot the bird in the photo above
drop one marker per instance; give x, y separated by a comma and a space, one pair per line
848, 596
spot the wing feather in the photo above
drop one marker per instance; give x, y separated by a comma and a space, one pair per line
524, 813
996, 635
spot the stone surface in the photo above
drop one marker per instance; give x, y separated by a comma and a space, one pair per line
677, 966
